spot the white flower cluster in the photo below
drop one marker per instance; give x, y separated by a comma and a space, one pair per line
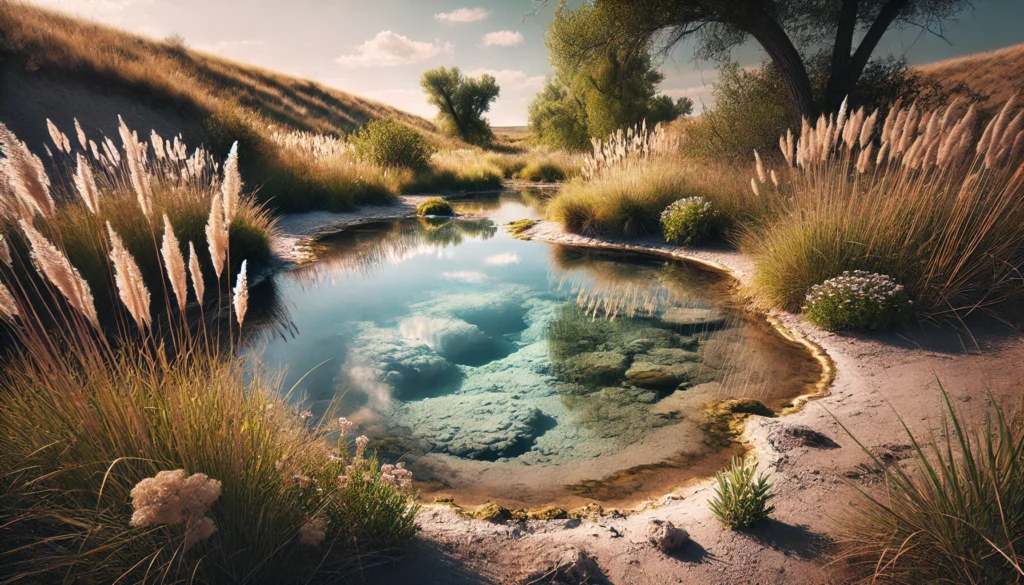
396, 475
680, 205
856, 286
172, 497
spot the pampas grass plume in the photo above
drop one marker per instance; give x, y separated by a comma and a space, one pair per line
56, 267
174, 264
128, 278
196, 272
241, 298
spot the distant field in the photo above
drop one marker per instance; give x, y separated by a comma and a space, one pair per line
997, 74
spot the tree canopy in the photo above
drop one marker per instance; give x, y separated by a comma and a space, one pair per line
787, 30
597, 98
461, 102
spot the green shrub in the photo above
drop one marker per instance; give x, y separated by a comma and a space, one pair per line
955, 516
435, 206
741, 499
689, 221
542, 171
388, 143
857, 300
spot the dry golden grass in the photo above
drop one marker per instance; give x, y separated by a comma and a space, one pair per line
995, 74
45, 41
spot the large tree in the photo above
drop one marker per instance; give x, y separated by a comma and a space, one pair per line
597, 98
787, 30
462, 102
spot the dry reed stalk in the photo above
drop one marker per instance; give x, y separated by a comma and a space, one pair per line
217, 234
25, 173
85, 184
174, 264
231, 186
137, 172
241, 294
128, 278
197, 274
8, 306
56, 267
81, 135
5, 250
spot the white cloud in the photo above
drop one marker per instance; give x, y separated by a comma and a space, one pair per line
467, 276
502, 38
512, 79
502, 259
389, 49
462, 15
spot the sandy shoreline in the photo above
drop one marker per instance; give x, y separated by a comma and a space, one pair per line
876, 377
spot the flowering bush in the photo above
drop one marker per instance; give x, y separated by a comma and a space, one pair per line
857, 300
688, 221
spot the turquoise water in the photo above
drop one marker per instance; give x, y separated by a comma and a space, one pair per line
518, 371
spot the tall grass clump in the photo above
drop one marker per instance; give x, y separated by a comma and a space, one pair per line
457, 170
327, 174
145, 450
920, 196
630, 179
954, 514
132, 186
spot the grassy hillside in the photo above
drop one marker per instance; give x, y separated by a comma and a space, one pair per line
49, 43
53, 66
996, 74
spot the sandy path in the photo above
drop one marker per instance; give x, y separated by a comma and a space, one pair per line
876, 377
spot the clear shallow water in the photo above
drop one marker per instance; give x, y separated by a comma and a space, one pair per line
520, 372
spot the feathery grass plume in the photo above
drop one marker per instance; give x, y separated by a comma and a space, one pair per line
81, 135
158, 144
136, 170
197, 273
8, 306
753, 187
217, 234
241, 297
760, 167
174, 264
58, 137
231, 186
56, 267
890, 121
128, 278
864, 159
85, 184
25, 173
5, 250
775, 178
867, 129
883, 155
94, 150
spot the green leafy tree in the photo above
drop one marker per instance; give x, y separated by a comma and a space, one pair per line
786, 30
461, 102
597, 99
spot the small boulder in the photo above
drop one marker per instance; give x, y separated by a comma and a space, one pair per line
493, 513
791, 437
665, 536
652, 376
595, 367
693, 319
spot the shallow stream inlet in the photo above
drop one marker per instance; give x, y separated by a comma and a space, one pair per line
524, 373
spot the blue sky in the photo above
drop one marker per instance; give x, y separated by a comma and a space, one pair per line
379, 49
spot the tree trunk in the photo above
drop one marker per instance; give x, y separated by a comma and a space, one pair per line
860, 58
780, 48
839, 86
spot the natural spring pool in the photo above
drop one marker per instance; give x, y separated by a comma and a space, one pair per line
523, 373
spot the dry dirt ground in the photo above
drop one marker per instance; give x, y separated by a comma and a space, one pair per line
877, 380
